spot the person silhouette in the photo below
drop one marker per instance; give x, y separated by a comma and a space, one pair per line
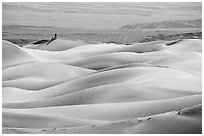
52, 39
55, 36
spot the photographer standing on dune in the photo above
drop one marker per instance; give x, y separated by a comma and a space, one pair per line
52, 39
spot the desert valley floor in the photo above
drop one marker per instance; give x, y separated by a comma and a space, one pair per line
75, 87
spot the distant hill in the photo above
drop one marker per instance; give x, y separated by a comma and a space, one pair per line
165, 24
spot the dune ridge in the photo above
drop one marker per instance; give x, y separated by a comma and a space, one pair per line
74, 87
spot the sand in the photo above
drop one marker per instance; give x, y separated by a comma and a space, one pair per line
75, 87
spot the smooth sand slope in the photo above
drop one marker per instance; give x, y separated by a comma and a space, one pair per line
40, 75
74, 87
14, 55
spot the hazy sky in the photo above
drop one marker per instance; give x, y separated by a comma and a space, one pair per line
96, 15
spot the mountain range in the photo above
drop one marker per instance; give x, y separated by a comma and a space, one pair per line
165, 24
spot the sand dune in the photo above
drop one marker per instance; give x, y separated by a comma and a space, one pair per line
137, 75
115, 111
39, 75
129, 75
44, 70
92, 50
170, 122
186, 46
103, 61
14, 55
177, 58
75, 87
23, 120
